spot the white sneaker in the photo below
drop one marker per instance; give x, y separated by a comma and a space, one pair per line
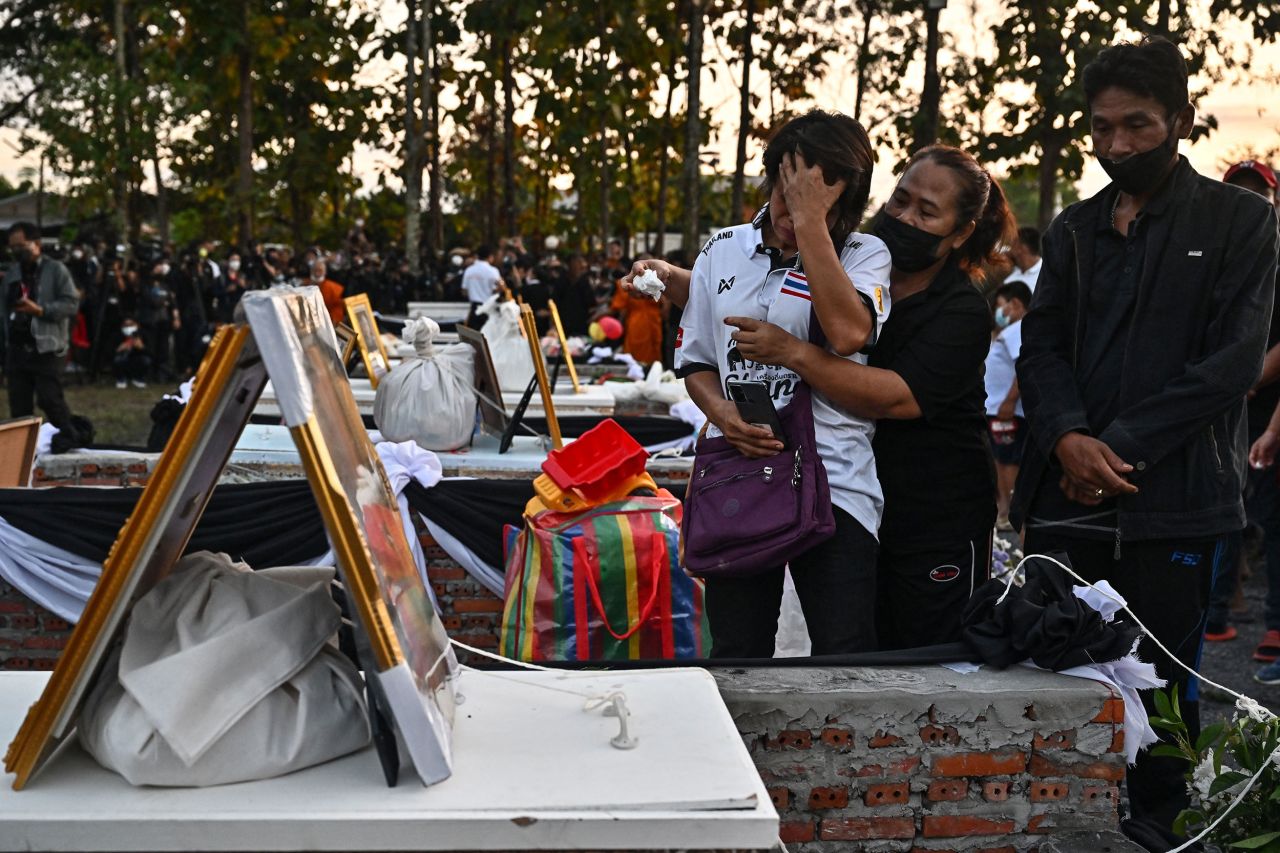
138, 383
120, 383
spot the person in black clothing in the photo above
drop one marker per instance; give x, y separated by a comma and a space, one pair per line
575, 297
40, 300
946, 220
1262, 492
1147, 329
159, 318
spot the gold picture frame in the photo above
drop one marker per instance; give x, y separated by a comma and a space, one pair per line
347, 344
18, 439
372, 350
494, 418
530, 326
565, 355
228, 383
412, 658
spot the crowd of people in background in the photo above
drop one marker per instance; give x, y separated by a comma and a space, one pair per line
146, 315
1108, 422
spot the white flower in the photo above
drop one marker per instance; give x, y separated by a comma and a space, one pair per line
1258, 713
1202, 777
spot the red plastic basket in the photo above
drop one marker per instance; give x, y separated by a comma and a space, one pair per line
597, 462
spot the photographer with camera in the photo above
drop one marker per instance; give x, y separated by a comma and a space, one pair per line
40, 300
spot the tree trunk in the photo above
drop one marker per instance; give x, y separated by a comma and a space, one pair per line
657, 246
491, 156
744, 112
162, 197
931, 96
1047, 179
605, 180
693, 131
509, 212
412, 141
1162, 18
244, 130
122, 110
435, 217
864, 45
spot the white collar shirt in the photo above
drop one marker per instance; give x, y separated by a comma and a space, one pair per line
732, 277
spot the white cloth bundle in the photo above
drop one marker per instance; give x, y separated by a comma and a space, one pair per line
226, 675
512, 360
429, 397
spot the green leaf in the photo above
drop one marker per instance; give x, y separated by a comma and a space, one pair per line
1168, 750
1208, 736
1257, 841
1187, 817
1227, 780
1162, 705
1167, 725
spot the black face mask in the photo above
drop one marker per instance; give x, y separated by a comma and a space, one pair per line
911, 249
1139, 174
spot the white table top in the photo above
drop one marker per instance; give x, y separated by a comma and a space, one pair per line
533, 771
271, 444
592, 400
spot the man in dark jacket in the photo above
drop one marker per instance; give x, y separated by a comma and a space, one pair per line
1147, 329
40, 300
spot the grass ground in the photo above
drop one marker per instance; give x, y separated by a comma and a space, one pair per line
120, 415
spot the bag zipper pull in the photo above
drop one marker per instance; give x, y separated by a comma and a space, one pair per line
768, 474
795, 474
1116, 554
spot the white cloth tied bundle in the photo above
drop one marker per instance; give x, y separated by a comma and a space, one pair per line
429, 397
226, 675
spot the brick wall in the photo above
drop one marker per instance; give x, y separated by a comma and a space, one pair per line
861, 764
917, 759
30, 636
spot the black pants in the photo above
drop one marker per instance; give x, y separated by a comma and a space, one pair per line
33, 378
922, 590
1167, 584
475, 319
835, 581
131, 364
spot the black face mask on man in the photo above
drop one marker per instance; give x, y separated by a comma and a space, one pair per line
911, 249
1139, 174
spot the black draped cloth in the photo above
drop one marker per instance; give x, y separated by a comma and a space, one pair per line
278, 523
1043, 621
275, 523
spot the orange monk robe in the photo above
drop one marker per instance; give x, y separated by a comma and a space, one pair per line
643, 320
331, 292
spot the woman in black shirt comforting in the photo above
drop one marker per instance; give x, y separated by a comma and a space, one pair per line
923, 384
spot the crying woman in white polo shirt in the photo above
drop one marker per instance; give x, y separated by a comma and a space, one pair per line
799, 259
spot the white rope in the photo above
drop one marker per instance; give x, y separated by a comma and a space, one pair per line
1249, 703
1244, 703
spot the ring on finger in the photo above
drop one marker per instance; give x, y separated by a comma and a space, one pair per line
1097, 493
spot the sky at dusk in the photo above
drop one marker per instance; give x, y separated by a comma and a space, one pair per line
1248, 121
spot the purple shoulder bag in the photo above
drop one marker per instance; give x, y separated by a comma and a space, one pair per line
743, 516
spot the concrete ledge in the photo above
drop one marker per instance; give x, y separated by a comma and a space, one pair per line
925, 759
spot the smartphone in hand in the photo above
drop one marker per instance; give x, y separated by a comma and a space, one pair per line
755, 405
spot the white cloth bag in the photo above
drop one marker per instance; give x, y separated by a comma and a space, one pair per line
428, 398
226, 675
512, 360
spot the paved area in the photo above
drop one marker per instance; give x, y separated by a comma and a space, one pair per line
1231, 663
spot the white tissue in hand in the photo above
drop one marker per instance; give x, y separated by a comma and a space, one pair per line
649, 284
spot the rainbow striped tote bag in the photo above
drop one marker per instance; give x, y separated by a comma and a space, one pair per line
604, 584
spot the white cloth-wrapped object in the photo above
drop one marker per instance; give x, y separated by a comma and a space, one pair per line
226, 675
512, 360
429, 397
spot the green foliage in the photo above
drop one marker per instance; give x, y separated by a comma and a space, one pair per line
584, 106
1223, 759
